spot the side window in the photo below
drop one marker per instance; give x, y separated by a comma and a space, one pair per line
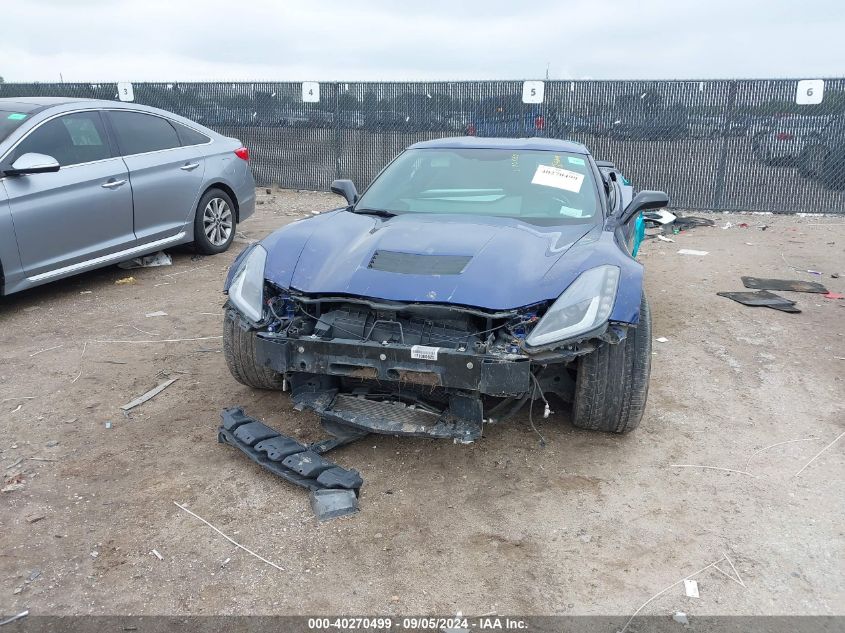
70, 139
138, 133
189, 136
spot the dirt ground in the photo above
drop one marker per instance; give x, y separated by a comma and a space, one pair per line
590, 524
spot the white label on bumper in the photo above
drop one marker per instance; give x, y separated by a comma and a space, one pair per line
423, 352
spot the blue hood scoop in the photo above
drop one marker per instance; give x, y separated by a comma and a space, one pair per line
416, 264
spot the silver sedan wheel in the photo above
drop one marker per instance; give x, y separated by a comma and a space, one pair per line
217, 221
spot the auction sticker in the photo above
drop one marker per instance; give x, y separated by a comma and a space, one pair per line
424, 352
558, 177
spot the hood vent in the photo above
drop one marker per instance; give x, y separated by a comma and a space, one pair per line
416, 264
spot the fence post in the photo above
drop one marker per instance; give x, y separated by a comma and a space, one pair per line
337, 148
721, 167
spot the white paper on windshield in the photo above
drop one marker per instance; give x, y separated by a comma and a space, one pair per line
558, 178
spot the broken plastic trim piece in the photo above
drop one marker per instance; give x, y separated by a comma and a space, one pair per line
762, 298
332, 503
793, 285
289, 459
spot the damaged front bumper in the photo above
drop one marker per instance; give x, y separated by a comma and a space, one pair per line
485, 374
387, 388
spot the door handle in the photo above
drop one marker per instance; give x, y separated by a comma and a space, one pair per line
189, 166
113, 184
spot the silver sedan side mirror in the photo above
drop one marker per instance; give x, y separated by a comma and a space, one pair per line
32, 163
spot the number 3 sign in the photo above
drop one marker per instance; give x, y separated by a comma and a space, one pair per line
125, 92
810, 91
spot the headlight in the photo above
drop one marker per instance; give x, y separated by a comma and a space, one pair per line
247, 289
584, 306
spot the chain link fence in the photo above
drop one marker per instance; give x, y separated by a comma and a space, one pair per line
757, 145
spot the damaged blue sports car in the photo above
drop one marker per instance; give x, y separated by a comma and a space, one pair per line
473, 278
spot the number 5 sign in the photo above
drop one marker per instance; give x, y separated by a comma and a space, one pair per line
532, 91
810, 91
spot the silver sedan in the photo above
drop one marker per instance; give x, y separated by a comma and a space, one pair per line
86, 183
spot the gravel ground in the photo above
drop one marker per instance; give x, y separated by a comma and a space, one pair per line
590, 524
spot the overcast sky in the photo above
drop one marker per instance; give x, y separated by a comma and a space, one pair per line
198, 40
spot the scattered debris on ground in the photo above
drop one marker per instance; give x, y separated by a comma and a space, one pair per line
762, 298
713, 565
14, 618
148, 261
152, 393
791, 285
691, 588
230, 539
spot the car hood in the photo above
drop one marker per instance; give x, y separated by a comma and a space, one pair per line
486, 262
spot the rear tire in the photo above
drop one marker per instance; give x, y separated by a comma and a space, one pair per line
611, 386
239, 351
214, 222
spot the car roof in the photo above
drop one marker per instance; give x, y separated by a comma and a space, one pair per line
36, 107
475, 142
29, 104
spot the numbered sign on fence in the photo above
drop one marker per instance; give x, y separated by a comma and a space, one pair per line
124, 91
532, 91
810, 92
310, 91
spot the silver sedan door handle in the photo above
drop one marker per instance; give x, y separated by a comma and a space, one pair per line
113, 184
189, 166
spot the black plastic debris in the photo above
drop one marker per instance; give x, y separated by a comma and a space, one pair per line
687, 222
332, 503
293, 461
762, 298
793, 285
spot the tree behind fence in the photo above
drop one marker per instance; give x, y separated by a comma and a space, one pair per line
720, 145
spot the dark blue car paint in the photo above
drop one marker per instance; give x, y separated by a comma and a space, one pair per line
514, 263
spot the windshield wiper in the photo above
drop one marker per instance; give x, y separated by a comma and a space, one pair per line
382, 213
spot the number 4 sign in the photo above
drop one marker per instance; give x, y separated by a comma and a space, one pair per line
532, 91
310, 91
810, 92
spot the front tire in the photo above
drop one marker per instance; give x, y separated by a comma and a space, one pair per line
239, 352
214, 222
611, 386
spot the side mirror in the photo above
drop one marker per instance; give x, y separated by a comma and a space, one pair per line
345, 188
32, 163
643, 201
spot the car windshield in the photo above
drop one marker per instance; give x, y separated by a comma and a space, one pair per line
10, 121
553, 187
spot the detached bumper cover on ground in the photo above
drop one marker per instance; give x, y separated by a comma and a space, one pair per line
286, 457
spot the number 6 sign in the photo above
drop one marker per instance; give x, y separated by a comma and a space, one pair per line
810, 92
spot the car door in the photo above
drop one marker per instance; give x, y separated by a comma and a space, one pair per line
79, 213
165, 176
